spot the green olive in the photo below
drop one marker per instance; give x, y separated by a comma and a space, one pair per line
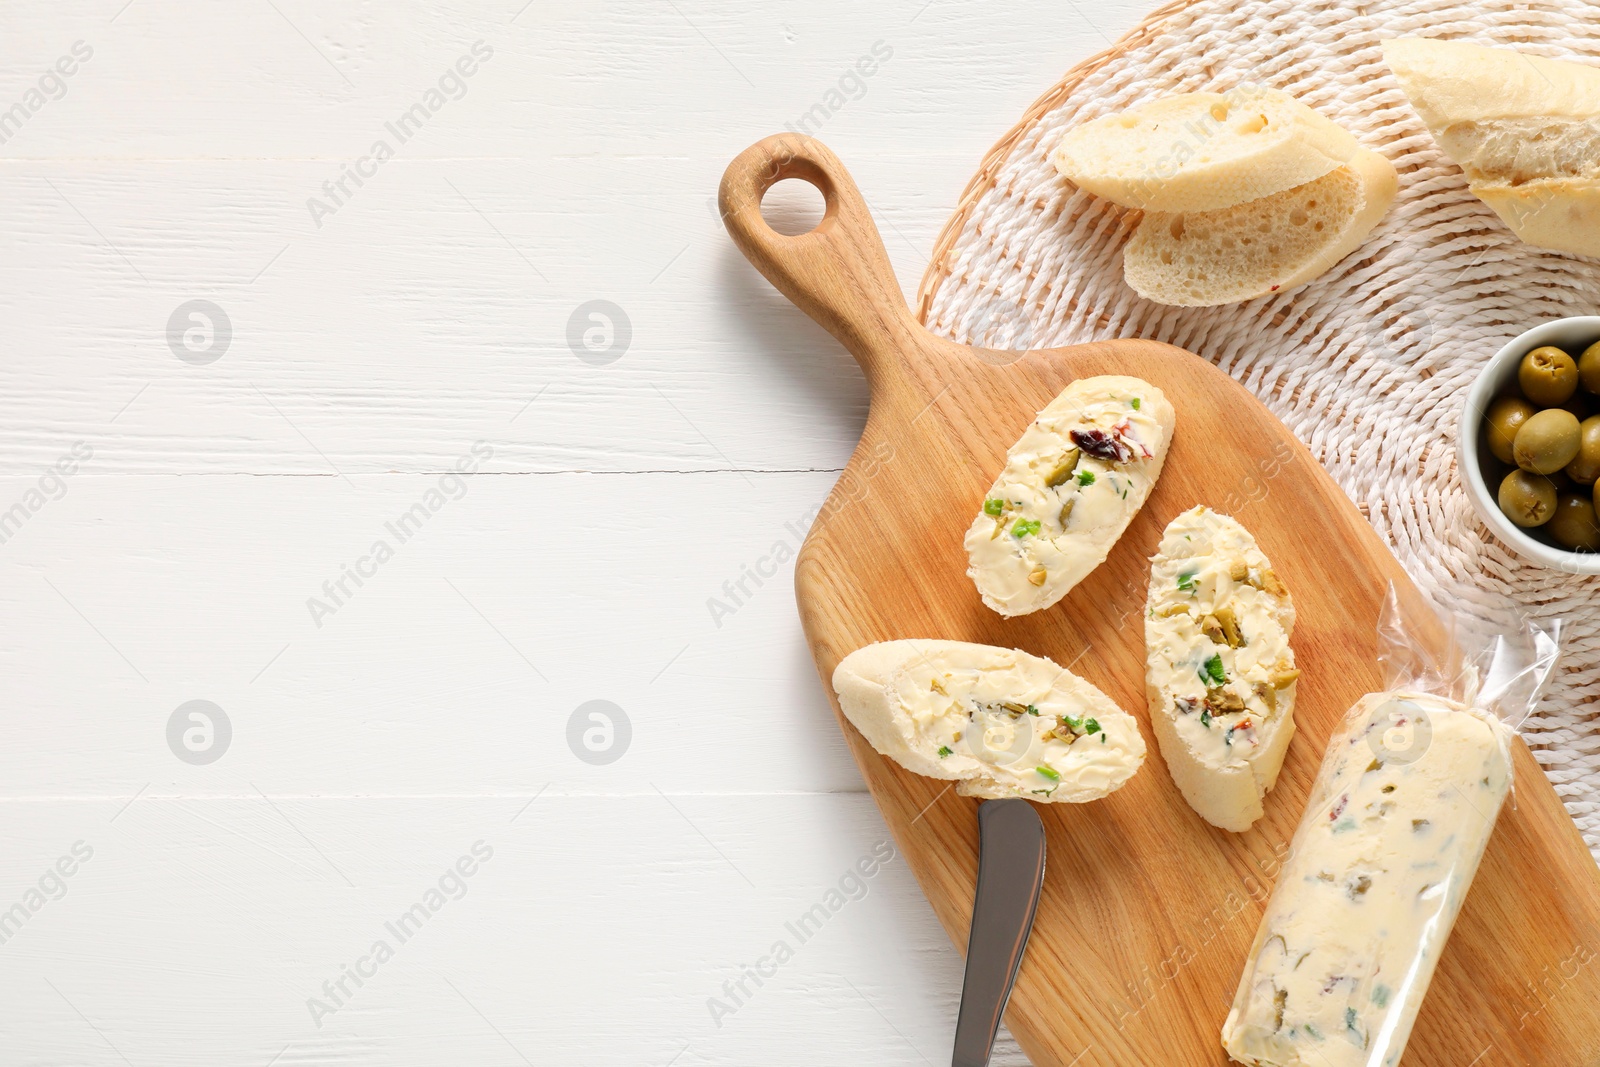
1589, 368
1527, 499
1573, 524
1506, 416
1547, 442
1586, 468
1547, 376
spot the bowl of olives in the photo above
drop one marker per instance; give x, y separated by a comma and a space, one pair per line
1528, 444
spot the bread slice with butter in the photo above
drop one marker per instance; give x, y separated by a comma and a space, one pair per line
1525, 129
1219, 669
1070, 486
1203, 151
997, 721
1265, 246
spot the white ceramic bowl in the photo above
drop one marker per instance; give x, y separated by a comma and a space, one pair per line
1477, 466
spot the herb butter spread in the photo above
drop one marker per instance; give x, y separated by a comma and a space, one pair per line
1403, 806
1069, 488
998, 721
1219, 669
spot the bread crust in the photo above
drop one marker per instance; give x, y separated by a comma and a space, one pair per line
1451, 82
1203, 151
1562, 215
1523, 128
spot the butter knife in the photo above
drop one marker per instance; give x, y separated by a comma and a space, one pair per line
1010, 876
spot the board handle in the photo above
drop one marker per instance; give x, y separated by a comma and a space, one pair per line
837, 273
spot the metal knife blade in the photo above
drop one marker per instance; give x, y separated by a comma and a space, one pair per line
1011, 853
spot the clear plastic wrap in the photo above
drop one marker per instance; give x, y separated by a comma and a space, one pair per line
1410, 787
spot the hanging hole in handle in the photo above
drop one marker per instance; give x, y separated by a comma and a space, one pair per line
793, 206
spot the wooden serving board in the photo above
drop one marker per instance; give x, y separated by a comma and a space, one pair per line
1147, 911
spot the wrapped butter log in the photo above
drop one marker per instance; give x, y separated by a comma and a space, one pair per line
1402, 809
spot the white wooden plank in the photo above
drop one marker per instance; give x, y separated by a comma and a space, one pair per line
343, 360
299, 79
453, 668
597, 931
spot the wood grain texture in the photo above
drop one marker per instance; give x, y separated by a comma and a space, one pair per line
1147, 911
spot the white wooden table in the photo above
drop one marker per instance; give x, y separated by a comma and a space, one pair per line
393, 833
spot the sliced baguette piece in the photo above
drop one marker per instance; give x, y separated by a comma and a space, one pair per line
1070, 486
1205, 258
1219, 670
1456, 85
1203, 151
997, 721
1561, 215
1526, 130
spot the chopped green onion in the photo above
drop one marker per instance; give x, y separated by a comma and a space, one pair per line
1090, 726
1135, 403
1205, 717
1032, 710
1025, 527
944, 750
993, 507
1186, 580
1048, 772
1086, 477
1212, 671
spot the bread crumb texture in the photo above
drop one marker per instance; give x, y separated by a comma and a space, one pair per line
1202, 258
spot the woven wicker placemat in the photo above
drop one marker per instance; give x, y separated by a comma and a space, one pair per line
1369, 364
